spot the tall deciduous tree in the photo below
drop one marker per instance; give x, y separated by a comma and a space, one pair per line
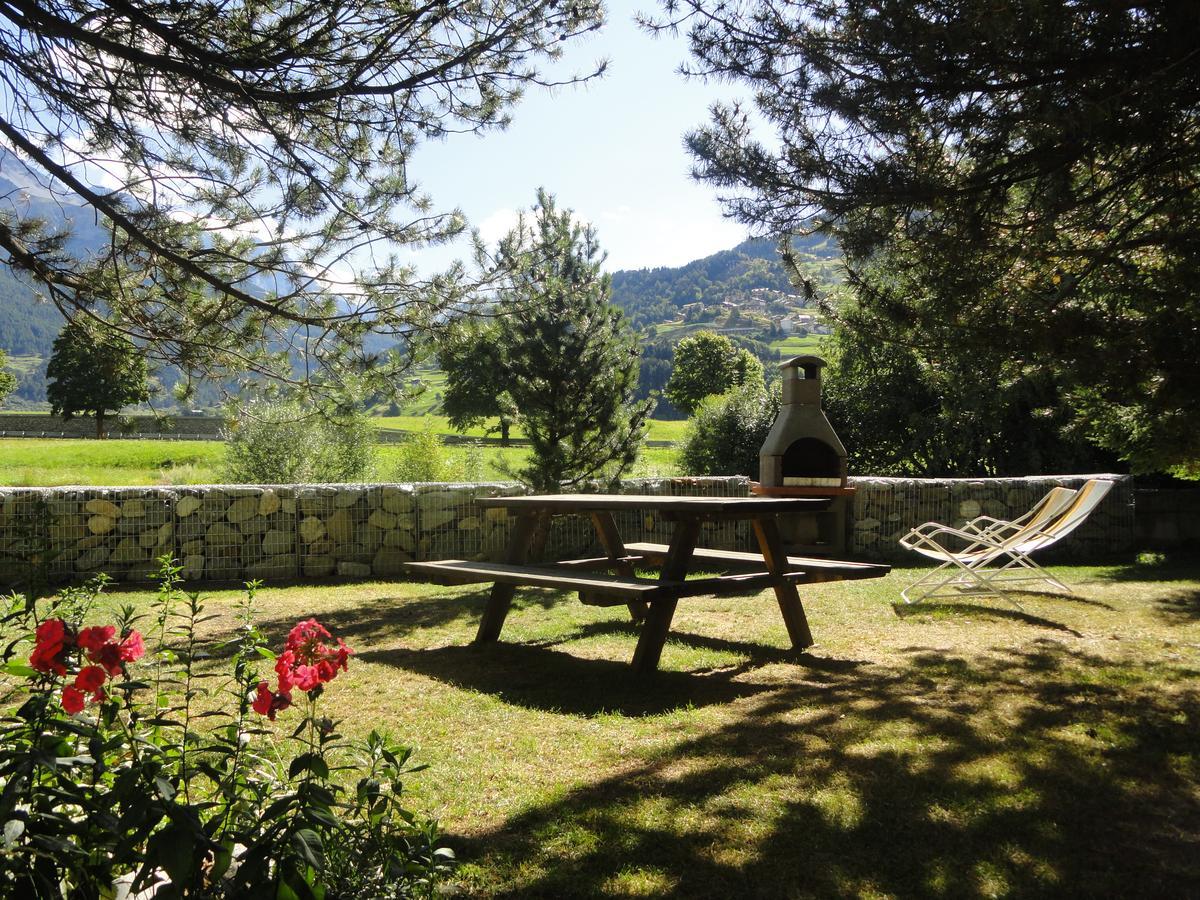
999, 174
706, 364
94, 371
569, 359
476, 384
253, 160
8, 381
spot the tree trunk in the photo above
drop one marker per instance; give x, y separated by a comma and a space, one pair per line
505, 425
99, 425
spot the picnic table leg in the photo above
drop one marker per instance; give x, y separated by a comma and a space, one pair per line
658, 619
770, 544
610, 540
500, 599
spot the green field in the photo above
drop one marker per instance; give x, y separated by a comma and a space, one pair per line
657, 429
794, 345
968, 748
31, 462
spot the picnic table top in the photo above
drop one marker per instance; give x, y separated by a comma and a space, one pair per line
750, 506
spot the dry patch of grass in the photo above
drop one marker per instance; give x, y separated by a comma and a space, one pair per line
973, 747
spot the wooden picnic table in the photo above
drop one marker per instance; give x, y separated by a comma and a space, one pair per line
650, 601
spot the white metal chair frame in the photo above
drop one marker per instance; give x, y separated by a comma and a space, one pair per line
988, 540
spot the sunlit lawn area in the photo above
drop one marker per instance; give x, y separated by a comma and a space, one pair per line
1044, 745
31, 462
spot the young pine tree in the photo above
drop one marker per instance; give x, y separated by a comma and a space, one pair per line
569, 359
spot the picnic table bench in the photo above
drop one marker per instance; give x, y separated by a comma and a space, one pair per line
651, 601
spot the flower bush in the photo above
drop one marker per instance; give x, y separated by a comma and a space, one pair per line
133, 767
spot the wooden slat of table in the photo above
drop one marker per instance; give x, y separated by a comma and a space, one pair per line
817, 569
467, 572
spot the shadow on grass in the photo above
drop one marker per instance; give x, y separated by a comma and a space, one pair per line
978, 611
1181, 567
389, 617
540, 677
1004, 775
1179, 607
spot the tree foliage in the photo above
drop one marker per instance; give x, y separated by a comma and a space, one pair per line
569, 360
8, 381
253, 163
902, 413
94, 371
1022, 174
476, 383
707, 363
727, 431
282, 442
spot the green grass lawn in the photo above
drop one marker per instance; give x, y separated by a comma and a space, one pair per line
1039, 746
32, 462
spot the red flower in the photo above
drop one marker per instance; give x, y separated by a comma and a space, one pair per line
307, 661
90, 680
283, 668
52, 643
305, 677
268, 703
306, 636
93, 638
326, 670
132, 647
52, 631
72, 700
109, 656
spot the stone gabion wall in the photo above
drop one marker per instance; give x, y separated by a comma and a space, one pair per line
884, 509
282, 532
288, 532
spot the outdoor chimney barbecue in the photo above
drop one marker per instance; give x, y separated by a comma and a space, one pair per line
802, 457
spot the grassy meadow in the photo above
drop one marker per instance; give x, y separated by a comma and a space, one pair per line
34, 462
1041, 746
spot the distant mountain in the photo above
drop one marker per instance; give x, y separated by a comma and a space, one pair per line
653, 296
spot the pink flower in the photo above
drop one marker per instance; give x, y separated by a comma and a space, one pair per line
133, 647
72, 700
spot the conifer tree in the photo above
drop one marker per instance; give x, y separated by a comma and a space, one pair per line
1004, 177
569, 359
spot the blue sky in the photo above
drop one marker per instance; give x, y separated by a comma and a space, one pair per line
612, 150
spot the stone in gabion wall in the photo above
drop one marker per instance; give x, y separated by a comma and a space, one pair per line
886, 508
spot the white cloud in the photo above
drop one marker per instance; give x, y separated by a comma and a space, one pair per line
497, 225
